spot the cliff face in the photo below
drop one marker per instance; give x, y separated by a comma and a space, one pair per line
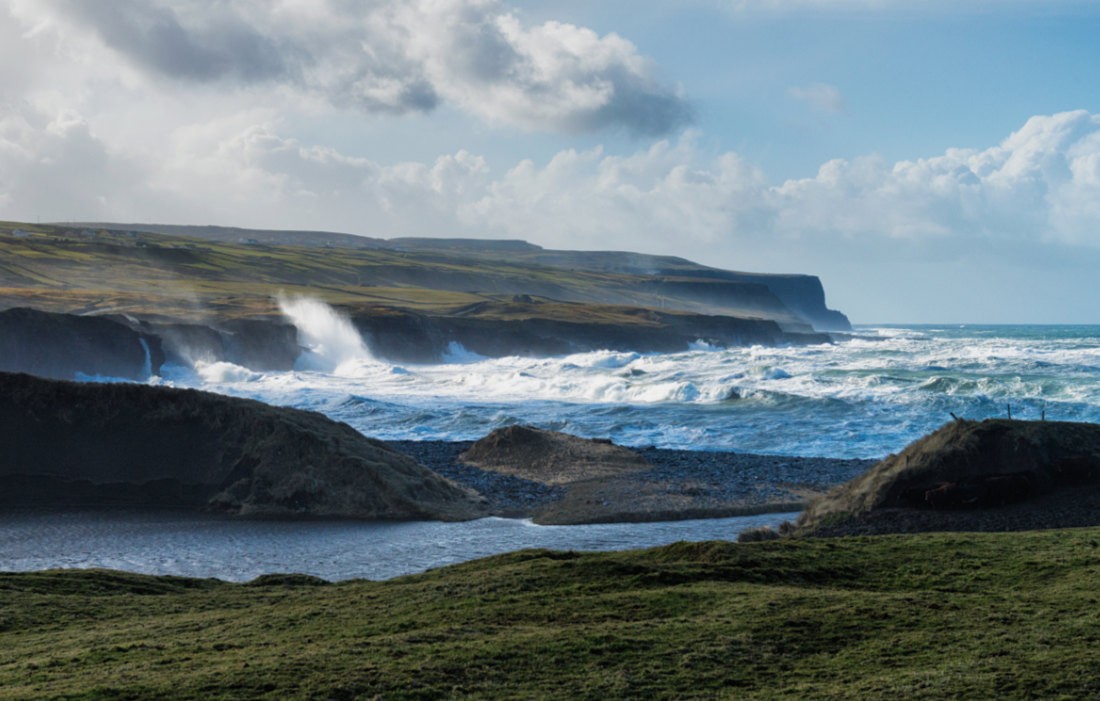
496, 330
252, 343
123, 301
134, 445
62, 345
800, 295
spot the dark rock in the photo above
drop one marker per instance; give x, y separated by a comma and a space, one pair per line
484, 329
134, 445
954, 478
61, 346
252, 343
550, 457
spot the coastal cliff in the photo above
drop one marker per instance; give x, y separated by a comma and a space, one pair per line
61, 346
125, 300
132, 445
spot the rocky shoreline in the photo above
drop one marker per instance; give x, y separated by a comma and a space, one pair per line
681, 484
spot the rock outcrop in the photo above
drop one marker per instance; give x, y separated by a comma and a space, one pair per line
87, 444
252, 343
62, 346
968, 475
551, 457
502, 329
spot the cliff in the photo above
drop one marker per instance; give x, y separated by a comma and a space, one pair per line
136, 299
62, 346
134, 445
531, 327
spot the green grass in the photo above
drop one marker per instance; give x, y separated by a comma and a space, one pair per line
72, 270
932, 616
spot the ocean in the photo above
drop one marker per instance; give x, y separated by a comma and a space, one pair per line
863, 397
858, 398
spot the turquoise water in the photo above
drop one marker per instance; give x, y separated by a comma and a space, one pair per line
864, 397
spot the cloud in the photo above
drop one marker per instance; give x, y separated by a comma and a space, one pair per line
383, 56
1040, 186
821, 96
1007, 219
778, 7
56, 167
158, 38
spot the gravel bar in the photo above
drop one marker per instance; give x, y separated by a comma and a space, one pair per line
720, 477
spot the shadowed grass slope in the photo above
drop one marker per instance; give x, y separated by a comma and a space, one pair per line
929, 616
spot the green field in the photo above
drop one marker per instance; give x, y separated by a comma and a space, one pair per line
932, 616
74, 270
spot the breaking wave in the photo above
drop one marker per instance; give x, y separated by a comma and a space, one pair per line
859, 398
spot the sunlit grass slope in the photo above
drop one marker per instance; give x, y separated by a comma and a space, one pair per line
83, 270
932, 616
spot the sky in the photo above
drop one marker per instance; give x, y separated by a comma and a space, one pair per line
932, 161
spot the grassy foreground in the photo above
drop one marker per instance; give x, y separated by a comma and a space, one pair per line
929, 616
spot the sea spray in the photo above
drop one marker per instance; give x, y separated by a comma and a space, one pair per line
862, 398
147, 364
330, 339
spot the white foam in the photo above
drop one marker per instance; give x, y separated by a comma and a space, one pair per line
457, 354
861, 398
221, 372
330, 339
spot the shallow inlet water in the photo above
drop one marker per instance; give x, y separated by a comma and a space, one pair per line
198, 545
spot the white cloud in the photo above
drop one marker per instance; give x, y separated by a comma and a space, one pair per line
380, 56
908, 7
1027, 204
1039, 186
56, 167
821, 96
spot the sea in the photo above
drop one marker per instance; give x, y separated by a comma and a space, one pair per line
865, 395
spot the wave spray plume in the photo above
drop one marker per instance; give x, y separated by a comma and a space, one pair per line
329, 337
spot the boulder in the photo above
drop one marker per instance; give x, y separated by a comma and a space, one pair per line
969, 475
550, 457
91, 444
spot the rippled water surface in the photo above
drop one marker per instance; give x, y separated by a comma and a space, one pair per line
196, 545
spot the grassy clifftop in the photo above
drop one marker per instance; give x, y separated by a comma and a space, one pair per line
929, 616
227, 274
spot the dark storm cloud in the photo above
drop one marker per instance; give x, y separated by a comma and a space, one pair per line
395, 56
154, 37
